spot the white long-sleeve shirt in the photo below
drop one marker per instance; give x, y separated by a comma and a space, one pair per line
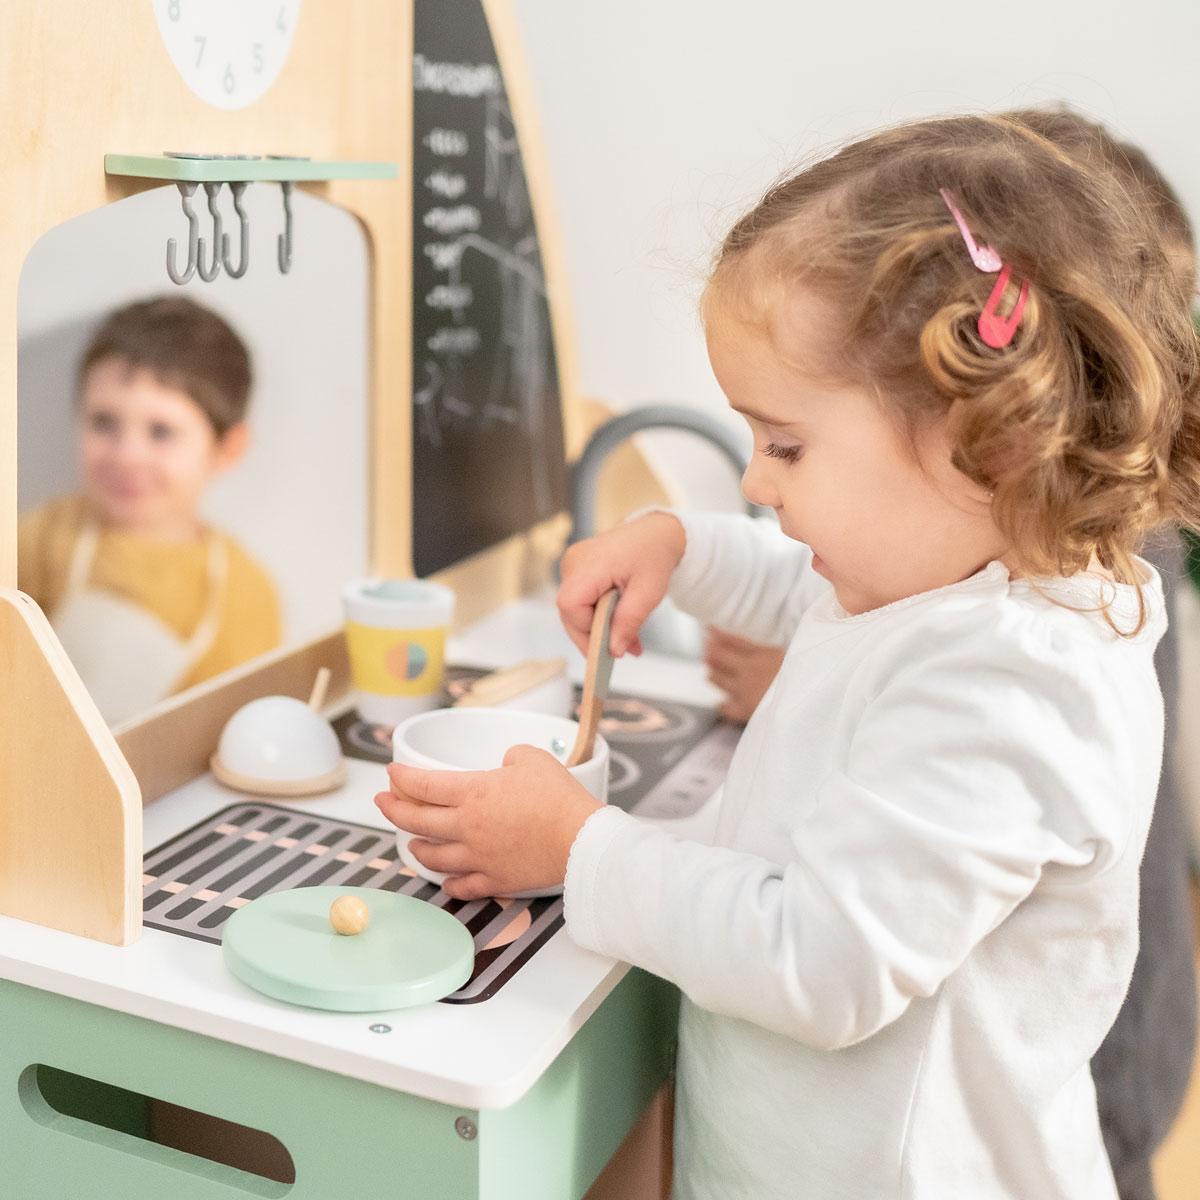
919, 916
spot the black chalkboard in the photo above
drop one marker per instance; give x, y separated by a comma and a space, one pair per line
488, 454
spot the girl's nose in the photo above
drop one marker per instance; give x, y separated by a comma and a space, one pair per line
756, 483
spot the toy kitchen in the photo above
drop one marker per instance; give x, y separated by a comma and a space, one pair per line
358, 187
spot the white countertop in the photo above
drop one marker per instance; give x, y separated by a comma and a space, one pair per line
483, 1055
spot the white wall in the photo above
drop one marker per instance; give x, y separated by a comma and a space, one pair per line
298, 501
663, 119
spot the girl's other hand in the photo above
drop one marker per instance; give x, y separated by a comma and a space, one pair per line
637, 558
743, 670
494, 832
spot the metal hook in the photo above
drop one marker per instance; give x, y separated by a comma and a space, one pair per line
186, 191
285, 238
209, 273
238, 190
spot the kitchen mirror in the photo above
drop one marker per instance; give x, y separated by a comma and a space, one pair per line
111, 461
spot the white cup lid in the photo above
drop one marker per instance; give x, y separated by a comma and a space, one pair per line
399, 601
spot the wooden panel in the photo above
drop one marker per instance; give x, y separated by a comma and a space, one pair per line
70, 811
171, 744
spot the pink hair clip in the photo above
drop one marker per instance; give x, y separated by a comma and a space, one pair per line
995, 330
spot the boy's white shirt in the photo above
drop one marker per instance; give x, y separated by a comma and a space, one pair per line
919, 916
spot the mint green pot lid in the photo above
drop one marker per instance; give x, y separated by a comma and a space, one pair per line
410, 953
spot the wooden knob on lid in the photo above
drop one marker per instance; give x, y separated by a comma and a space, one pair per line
349, 915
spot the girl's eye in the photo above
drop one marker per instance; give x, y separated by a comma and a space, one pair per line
161, 433
788, 453
102, 422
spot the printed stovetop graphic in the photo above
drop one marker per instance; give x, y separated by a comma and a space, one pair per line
195, 882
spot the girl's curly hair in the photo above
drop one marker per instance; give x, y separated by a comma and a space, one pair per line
1086, 428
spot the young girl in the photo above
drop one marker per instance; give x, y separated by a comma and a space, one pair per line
973, 386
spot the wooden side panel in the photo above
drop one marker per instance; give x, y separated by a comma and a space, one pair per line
70, 809
172, 743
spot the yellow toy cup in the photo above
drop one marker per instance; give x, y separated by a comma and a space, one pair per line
396, 637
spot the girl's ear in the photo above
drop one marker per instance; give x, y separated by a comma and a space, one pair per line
232, 446
935, 447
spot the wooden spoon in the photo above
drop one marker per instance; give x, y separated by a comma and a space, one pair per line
508, 682
595, 680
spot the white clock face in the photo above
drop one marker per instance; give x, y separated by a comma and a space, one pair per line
228, 51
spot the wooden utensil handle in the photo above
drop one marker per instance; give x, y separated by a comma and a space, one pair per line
585, 740
592, 704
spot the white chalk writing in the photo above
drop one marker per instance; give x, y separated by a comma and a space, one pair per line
448, 221
450, 143
460, 339
455, 79
447, 295
443, 183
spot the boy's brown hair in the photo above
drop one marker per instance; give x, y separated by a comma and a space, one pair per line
184, 345
1086, 428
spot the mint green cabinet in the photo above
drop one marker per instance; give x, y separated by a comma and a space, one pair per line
61, 1136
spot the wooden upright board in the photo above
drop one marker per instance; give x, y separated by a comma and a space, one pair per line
70, 809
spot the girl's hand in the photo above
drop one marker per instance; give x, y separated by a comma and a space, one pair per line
744, 670
500, 831
636, 558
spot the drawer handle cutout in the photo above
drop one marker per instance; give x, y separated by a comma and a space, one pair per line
255, 1162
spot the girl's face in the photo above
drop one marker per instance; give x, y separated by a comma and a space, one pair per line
148, 451
885, 519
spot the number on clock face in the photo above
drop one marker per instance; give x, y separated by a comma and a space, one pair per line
228, 52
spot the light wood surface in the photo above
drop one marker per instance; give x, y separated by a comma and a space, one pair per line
70, 810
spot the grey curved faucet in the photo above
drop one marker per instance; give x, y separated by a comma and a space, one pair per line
619, 429
667, 630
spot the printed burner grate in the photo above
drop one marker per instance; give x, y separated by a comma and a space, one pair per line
196, 881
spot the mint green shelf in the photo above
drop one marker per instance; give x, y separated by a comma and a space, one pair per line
243, 170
